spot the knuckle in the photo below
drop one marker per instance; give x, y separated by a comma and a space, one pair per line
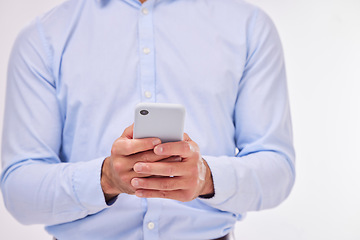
113, 151
121, 147
114, 148
118, 166
145, 157
164, 194
170, 171
125, 179
126, 146
166, 185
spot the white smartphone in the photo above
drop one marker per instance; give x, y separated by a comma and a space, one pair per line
161, 120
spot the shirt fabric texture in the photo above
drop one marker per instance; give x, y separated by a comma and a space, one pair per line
75, 75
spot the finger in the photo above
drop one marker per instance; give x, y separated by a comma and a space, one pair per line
124, 146
162, 168
171, 159
179, 195
156, 183
128, 132
183, 149
148, 156
123, 169
186, 138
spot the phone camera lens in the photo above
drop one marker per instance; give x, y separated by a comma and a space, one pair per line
144, 112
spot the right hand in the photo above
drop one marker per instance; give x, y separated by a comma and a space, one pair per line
117, 170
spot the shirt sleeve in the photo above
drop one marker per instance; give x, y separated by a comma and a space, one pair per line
36, 185
262, 174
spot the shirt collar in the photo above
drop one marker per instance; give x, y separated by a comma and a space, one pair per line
132, 2
105, 1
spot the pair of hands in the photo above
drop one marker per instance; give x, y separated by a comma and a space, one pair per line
149, 169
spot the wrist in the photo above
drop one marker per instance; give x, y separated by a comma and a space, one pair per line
106, 184
208, 189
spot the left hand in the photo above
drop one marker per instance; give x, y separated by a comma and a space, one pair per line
183, 181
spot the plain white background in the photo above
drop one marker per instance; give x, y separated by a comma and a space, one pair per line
321, 39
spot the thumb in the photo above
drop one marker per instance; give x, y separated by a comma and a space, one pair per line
128, 132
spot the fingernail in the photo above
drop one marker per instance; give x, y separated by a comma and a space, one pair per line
156, 142
138, 167
159, 149
135, 182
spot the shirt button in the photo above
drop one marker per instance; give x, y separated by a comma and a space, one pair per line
151, 225
145, 11
147, 94
146, 50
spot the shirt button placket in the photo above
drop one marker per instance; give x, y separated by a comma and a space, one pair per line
148, 94
151, 225
146, 50
151, 219
147, 53
144, 11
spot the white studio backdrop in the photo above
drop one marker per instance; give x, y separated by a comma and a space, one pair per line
321, 39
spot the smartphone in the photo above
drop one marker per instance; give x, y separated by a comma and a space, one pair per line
161, 120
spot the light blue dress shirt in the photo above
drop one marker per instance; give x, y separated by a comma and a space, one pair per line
75, 75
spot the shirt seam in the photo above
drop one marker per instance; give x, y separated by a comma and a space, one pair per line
249, 37
46, 46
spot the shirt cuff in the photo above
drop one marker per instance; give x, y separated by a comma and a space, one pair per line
224, 178
87, 185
